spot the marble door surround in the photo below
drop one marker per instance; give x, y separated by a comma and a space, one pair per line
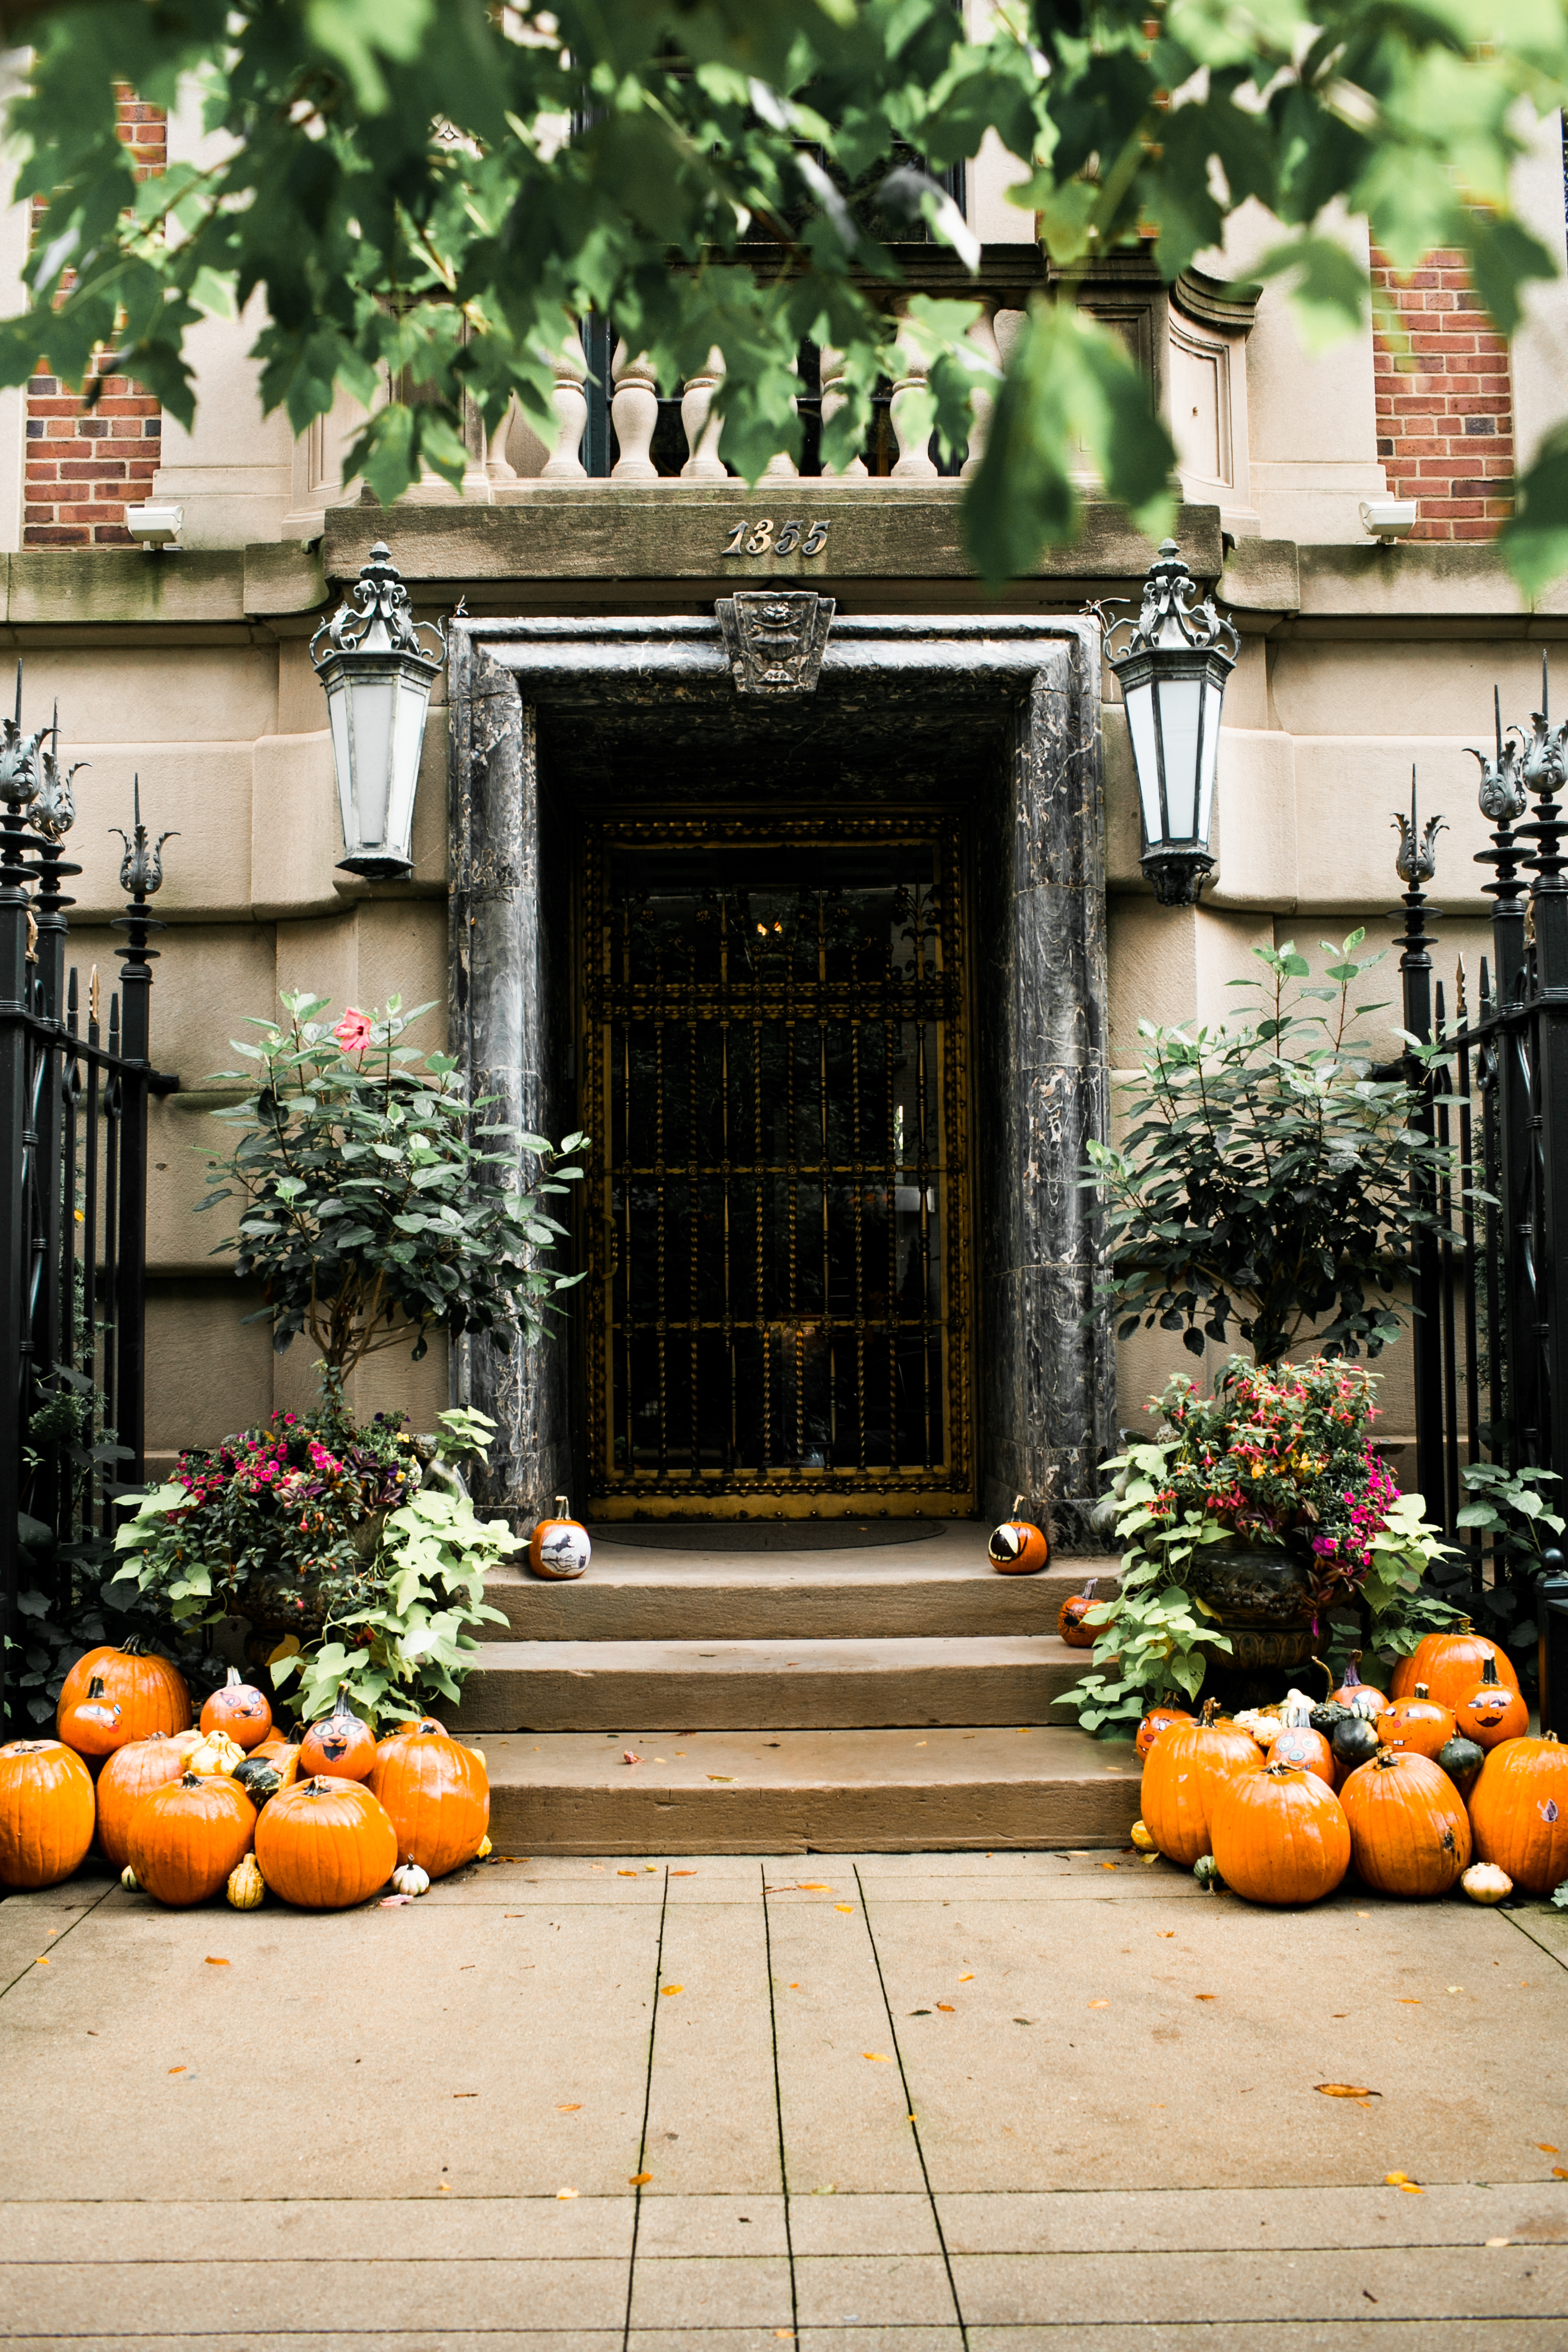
999, 717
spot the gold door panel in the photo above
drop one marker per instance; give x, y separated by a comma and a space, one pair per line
778, 1228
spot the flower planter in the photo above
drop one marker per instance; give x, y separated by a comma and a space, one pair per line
1263, 1600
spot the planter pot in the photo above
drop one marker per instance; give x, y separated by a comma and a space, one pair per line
281, 1604
1262, 1598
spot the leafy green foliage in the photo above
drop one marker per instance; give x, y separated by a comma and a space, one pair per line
1269, 1184
378, 1203
404, 186
1507, 1514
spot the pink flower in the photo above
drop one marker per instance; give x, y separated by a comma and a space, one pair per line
353, 1031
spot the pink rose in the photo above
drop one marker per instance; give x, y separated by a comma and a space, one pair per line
353, 1031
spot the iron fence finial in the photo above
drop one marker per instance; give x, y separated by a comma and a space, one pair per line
1417, 859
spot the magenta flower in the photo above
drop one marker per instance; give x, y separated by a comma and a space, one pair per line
353, 1031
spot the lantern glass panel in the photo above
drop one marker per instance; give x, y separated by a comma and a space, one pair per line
372, 704
1139, 702
1180, 707
1214, 698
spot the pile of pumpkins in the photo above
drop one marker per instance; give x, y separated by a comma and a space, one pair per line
1434, 1784
181, 1813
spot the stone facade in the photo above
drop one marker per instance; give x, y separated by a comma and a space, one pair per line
191, 668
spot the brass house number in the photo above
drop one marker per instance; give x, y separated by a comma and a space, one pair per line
757, 539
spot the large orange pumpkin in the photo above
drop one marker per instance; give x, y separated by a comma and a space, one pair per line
325, 1843
1156, 1721
46, 1812
1183, 1773
150, 1693
1299, 1744
1410, 1833
186, 1837
341, 1747
1519, 1811
1492, 1713
130, 1774
436, 1795
241, 1710
1419, 1724
1450, 1665
1018, 1547
1279, 1835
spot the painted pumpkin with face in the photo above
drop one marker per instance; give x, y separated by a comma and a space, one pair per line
1018, 1547
240, 1710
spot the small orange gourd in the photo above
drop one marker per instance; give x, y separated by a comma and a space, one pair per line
1492, 1713
1184, 1772
1279, 1835
1410, 1833
1018, 1547
1519, 1811
341, 1747
325, 1843
559, 1549
241, 1710
1418, 1724
186, 1837
46, 1812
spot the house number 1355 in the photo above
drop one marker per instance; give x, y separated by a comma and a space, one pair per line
757, 539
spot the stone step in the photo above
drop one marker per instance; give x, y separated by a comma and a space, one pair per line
942, 1588
880, 1791
792, 1685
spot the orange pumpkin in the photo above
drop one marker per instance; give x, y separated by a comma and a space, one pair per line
1071, 1617
130, 1773
92, 1726
1492, 1711
1362, 1698
1519, 1811
241, 1710
341, 1747
1184, 1771
46, 1812
1410, 1833
150, 1693
437, 1795
1279, 1835
1017, 1547
1450, 1665
186, 1837
1157, 1720
1418, 1723
325, 1843
1299, 1744
559, 1547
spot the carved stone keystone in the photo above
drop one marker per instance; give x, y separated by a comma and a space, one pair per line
775, 638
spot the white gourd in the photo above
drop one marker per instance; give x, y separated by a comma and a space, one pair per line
1485, 1883
409, 1879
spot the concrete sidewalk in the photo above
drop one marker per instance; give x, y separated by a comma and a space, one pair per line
901, 2102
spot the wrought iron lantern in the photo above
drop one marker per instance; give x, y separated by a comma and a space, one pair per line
377, 674
1173, 663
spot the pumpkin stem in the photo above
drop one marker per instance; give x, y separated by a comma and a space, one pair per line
1352, 1680
1018, 1503
1422, 1691
1088, 1593
1211, 1708
563, 1507
1327, 1672
190, 1779
95, 1687
1488, 1670
233, 1678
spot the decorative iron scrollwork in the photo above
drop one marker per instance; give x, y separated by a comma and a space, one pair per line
373, 617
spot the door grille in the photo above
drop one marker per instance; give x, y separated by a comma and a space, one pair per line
777, 1206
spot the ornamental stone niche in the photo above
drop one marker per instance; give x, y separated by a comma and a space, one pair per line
817, 959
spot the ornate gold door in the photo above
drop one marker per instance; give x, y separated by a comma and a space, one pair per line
779, 1228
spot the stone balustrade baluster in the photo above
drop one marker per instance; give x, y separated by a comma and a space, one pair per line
983, 398
703, 429
570, 402
635, 412
906, 410
834, 398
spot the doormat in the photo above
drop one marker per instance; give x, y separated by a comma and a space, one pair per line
765, 1535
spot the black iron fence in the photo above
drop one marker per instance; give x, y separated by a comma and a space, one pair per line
75, 1079
1491, 1332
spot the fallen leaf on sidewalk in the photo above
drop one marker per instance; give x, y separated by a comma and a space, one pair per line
667, 1989
563, 2195
1205, 1996
968, 1979
1107, 1865
214, 1962
625, 1873
464, 2094
1100, 2004
1403, 2180
727, 1777
1498, 2241
41, 1962
639, 2179
1408, 2001
1346, 2091
444, 2186
814, 1887
179, 2069
1560, 2172
575, 2110
946, 2005
629, 1758
683, 1874
844, 1907
878, 2057
1546, 2147
394, 1902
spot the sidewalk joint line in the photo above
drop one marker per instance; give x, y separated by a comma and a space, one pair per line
778, 2102
647, 2108
909, 2110
85, 1914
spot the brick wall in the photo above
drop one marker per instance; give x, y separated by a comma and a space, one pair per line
1445, 410
86, 463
